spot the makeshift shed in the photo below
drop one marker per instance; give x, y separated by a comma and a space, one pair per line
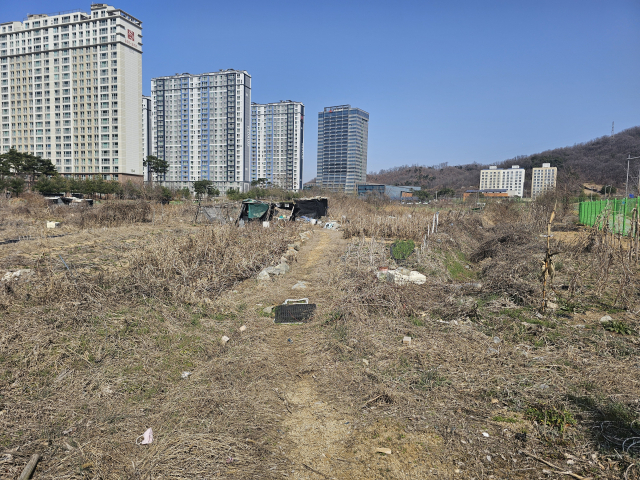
221, 213
256, 210
305, 207
310, 208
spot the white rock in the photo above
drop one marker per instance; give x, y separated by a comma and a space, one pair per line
25, 272
242, 328
403, 276
263, 276
606, 318
267, 310
224, 340
417, 278
185, 374
284, 268
299, 286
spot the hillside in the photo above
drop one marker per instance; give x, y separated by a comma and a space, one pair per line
600, 161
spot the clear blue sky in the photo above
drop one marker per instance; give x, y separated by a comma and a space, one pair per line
443, 81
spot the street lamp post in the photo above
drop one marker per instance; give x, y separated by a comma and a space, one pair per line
626, 190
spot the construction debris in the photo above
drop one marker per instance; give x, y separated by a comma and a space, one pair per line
402, 276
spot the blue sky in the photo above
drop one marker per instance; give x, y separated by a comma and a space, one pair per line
455, 81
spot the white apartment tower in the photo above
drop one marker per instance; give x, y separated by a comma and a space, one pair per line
201, 126
71, 85
277, 142
510, 179
543, 180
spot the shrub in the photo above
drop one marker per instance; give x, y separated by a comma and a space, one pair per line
402, 249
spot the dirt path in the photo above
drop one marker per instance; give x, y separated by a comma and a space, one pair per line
314, 432
321, 435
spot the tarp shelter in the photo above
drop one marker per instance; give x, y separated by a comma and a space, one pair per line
222, 213
306, 207
256, 210
310, 208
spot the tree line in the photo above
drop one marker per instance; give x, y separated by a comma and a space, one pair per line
601, 161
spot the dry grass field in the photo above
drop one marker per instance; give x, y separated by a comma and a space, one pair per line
125, 298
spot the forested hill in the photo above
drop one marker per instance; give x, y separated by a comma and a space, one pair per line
600, 161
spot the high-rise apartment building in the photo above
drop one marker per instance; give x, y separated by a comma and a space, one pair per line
71, 85
343, 134
510, 179
201, 126
277, 142
146, 132
543, 180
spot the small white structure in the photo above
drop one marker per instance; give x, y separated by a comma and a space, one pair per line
53, 224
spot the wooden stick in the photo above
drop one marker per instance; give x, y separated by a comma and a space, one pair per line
31, 466
558, 469
314, 471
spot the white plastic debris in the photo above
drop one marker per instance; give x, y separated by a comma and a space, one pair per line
147, 438
485, 434
185, 374
224, 340
9, 276
53, 224
406, 340
242, 328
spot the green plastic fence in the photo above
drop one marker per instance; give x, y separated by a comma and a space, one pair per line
615, 213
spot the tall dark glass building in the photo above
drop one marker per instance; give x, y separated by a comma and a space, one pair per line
343, 133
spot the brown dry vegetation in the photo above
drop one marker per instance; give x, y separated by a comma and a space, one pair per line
92, 355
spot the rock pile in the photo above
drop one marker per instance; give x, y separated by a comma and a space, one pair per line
289, 256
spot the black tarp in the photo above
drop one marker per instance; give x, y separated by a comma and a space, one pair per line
310, 208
